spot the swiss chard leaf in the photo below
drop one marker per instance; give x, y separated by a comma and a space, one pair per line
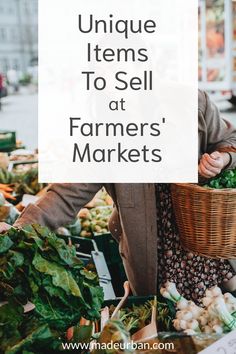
5, 243
60, 276
11, 317
37, 266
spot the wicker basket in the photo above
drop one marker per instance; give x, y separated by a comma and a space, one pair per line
206, 219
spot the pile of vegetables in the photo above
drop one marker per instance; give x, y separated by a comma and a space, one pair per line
27, 183
23, 183
94, 221
226, 179
114, 332
136, 317
23, 168
102, 198
120, 329
129, 320
23, 155
38, 267
6, 191
8, 213
218, 314
89, 223
6, 177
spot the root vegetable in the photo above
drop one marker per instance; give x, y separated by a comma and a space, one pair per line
230, 299
190, 332
194, 325
207, 301
217, 329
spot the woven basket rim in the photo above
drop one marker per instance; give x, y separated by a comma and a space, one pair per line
204, 189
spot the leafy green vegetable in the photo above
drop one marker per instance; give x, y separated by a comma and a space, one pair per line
60, 277
42, 334
23, 182
5, 243
11, 317
37, 266
226, 179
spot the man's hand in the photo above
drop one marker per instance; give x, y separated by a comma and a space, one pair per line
4, 227
211, 165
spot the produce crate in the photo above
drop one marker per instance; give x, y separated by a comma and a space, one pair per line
84, 246
7, 141
14, 164
166, 311
87, 251
110, 249
132, 300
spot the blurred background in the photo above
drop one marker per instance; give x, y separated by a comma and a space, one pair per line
217, 53
19, 63
18, 69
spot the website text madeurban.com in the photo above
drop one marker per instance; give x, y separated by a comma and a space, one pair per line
118, 346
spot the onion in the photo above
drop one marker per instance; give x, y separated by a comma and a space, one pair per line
216, 291
207, 301
217, 329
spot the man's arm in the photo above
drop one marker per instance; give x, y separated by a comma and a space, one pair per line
221, 133
59, 206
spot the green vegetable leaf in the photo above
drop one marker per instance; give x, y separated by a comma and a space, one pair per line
226, 179
5, 243
60, 277
11, 317
37, 266
42, 333
15, 260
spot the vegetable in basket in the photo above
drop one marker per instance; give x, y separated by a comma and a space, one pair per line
227, 179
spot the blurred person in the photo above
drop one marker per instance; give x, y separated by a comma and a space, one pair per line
215, 42
1, 90
13, 79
